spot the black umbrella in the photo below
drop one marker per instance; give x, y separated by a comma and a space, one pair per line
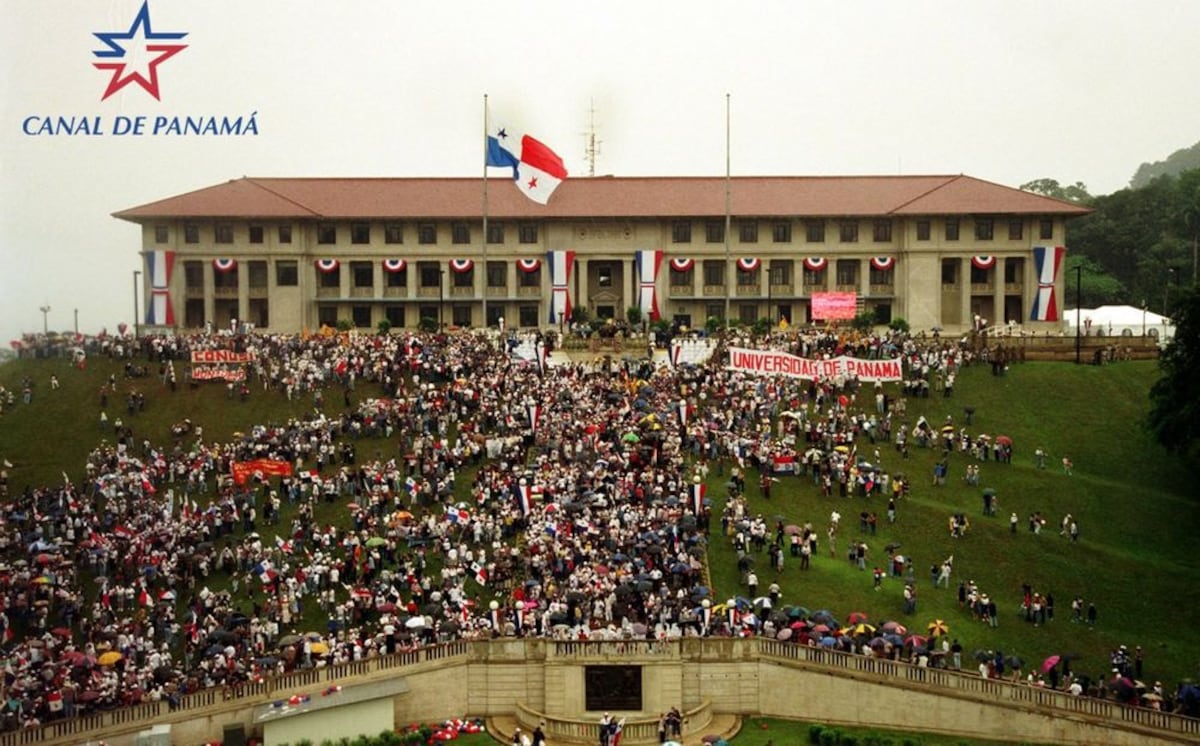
983, 656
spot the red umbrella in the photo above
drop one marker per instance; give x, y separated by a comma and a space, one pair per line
821, 629
855, 617
1050, 663
894, 627
1004, 440
44, 559
91, 695
386, 608
915, 640
61, 631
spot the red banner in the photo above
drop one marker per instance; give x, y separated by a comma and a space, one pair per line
244, 470
221, 356
834, 306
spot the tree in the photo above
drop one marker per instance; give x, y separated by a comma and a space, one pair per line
864, 321
1077, 192
1175, 398
1178, 162
1097, 286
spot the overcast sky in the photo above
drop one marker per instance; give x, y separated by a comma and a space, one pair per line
1008, 91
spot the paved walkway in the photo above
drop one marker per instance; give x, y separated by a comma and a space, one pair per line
725, 726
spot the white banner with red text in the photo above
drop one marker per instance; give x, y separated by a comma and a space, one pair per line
777, 363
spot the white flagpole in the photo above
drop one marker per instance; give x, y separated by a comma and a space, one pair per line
728, 279
485, 210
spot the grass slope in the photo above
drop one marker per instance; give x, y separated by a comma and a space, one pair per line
1137, 511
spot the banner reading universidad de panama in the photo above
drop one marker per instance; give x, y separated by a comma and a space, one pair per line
777, 363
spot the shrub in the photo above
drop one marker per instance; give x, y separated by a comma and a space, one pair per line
814, 733
863, 321
384, 326
830, 737
633, 315
429, 324
899, 325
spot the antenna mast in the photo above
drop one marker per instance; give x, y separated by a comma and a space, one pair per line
592, 149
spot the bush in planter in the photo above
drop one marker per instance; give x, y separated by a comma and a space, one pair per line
383, 327
899, 325
428, 324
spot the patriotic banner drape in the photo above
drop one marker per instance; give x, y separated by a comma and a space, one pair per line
326, 266
535, 415
524, 497
461, 265
648, 263
394, 265
529, 265
883, 263
696, 497
561, 264
159, 266
748, 263
984, 261
682, 264
224, 265
1048, 260
815, 263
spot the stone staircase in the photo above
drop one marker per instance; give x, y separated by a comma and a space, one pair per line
720, 726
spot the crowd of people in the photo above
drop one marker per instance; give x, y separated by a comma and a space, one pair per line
152, 571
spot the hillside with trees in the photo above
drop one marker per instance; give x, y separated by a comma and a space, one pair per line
1181, 160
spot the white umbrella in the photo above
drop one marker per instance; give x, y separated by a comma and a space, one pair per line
415, 622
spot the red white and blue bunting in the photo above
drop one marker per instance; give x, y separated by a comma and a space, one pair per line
1048, 260
159, 267
647, 263
529, 265
986, 261
883, 263
224, 265
748, 263
682, 264
461, 265
326, 266
394, 265
561, 264
815, 263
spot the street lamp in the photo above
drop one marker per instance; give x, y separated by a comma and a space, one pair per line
441, 299
1078, 308
45, 310
137, 276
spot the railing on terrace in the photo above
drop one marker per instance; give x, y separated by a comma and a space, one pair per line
635, 730
688, 649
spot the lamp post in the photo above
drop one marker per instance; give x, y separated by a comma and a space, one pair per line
45, 325
1167, 288
77, 321
137, 276
1079, 305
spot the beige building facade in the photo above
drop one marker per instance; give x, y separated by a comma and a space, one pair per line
288, 255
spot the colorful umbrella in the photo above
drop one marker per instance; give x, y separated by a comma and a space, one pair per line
894, 627
938, 627
861, 629
319, 648
109, 658
856, 617
1050, 663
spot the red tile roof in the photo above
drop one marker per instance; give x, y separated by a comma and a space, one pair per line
602, 197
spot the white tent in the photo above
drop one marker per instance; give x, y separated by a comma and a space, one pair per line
1119, 321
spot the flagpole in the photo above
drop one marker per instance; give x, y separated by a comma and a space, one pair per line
728, 279
485, 210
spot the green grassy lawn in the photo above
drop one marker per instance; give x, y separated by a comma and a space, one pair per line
772, 731
1136, 510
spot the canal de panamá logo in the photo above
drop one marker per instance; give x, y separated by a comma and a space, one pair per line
133, 56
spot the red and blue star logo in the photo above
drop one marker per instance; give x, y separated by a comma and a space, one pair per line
136, 54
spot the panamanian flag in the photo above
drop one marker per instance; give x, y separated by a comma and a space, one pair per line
536, 169
696, 497
457, 515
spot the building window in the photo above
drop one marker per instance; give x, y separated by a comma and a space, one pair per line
682, 279
260, 314
748, 231
882, 276
1013, 269
191, 233
460, 233
161, 234
257, 232
980, 275
330, 279
748, 313
397, 279
951, 229
1046, 229
193, 275
1016, 229
923, 230
497, 274
604, 276
495, 312
327, 316
362, 274
814, 231
327, 233
527, 315
984, 228
847, 271
527, 233
223, 233
226, 279
286, 274
361, 315
882, 232
530, 279
950, 271
395, 315
782, 233
257, 274
427, 233
814, 277
681, 231
464, 279
714, 311
393, 233
714, 273
714, 231
431, 275
848, 232
747, 278
430, 315
285, 234
495, 233
780, 272
461, 315
360, 233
